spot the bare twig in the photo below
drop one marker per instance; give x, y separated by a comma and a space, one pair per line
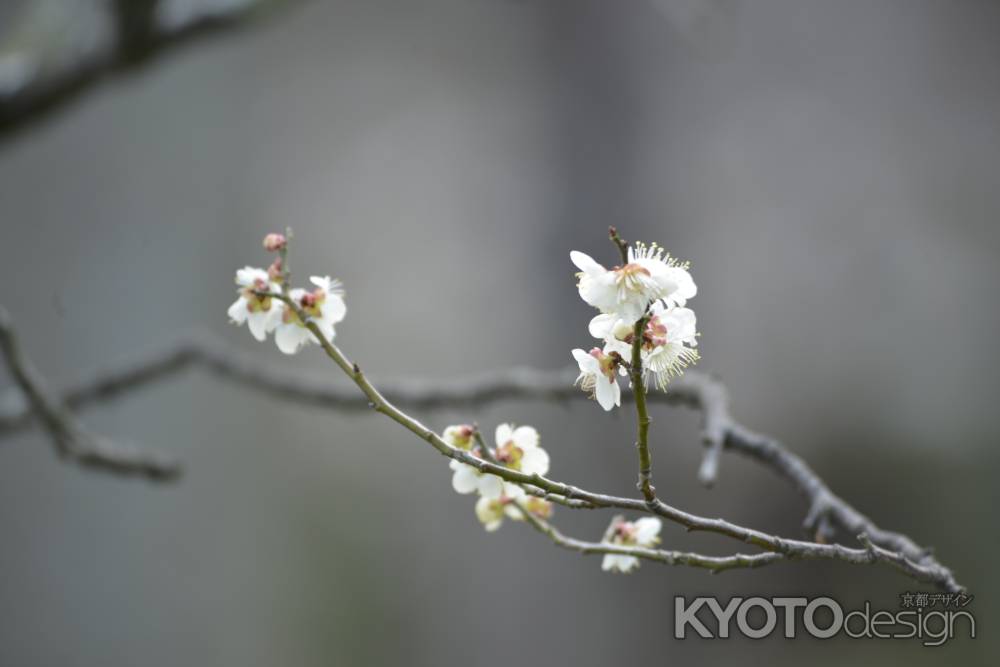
57, 49
70, 438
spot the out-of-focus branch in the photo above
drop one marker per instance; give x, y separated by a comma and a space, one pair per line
693, 389
70, 438
56, 49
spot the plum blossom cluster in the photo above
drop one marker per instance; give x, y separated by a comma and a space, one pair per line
644, 298
261, 305
516, 448
644, 532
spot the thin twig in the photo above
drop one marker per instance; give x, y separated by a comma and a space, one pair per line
714, 564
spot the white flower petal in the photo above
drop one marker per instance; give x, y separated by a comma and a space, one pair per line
605, 393
647, 531
504, 434
602, 325
334, 308
535, 461
513, 491
323, 282
249, 275
490, 513
525, 437
257, 323
490, 486
238, 311
290, 337
274, 315
586, 263
608, 562
587, 362
466, 479
513, 512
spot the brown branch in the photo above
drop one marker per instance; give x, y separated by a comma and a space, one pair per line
694, 389
57, 49
70, 438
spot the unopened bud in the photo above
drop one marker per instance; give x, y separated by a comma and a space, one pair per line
274, 271
274, 242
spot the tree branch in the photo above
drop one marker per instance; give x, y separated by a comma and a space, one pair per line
693, 389
928, 570
645, 483
714, 564
70, 438
57, 49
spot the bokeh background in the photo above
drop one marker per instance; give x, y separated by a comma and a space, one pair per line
830, 168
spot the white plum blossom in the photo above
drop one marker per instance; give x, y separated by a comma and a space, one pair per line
325, 307
511, 504
516, 448
669, 269
468, 479
668, 340
459, 436
261, 313
673, 337
644, 532
627, 291
598, 376
652, 287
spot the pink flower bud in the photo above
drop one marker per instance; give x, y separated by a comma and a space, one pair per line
274, 242
274, 271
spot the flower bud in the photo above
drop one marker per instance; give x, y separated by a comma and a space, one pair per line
274, 242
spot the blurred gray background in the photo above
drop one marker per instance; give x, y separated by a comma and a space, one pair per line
830, 168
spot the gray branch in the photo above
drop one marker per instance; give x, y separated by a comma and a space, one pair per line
71, 439
696, 390
56, 49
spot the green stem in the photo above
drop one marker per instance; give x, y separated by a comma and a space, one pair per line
645, 484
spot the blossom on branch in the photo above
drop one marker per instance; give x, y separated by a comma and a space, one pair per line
598, 376
672, 341
653, 288
259, 311
516, 448
468, 479
644, 532
324, 306
627, 291
668, 341
511, 504
459, 436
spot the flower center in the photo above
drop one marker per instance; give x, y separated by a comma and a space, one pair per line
255, 301
311, 302
624, 533
631, 277
607, 362
510, 455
